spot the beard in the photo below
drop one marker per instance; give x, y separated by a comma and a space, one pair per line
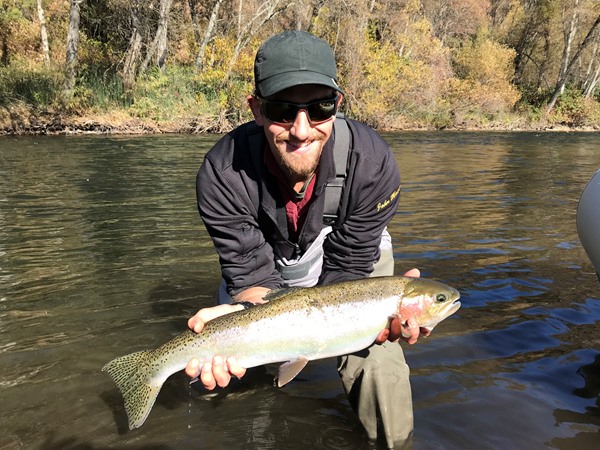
298, 165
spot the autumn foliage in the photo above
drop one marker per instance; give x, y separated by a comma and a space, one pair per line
186, 65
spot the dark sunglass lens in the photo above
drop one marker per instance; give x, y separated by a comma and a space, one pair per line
279, 111
284, 112
288, 112
322, 110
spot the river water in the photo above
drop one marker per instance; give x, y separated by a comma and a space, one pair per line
102, 253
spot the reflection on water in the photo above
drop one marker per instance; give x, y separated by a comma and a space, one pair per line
102, 253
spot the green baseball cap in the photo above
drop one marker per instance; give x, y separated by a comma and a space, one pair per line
292, 58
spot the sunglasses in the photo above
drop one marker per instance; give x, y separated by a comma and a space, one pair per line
286, 112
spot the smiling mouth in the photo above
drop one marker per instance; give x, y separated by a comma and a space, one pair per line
302, 148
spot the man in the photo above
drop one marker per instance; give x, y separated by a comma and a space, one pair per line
262, 193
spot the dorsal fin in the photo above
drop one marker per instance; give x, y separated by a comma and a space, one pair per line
279, 293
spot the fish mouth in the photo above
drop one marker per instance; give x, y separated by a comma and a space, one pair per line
450, 309
454, 306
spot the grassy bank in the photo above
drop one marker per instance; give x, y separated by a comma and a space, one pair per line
179, 101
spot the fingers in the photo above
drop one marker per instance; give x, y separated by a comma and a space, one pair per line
215, 373
197, 321
383, 336
395, 329
207, 378
400, 328
414, 273
410, 330
192, 369
234, 368
218, 372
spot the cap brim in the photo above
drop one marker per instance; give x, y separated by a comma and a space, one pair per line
278, 83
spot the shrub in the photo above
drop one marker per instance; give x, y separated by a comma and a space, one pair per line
484, 71
166, 95
573, 109
22, 83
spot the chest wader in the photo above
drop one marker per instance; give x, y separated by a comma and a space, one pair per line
376, 380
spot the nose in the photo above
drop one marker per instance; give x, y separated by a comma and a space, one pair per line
300, 129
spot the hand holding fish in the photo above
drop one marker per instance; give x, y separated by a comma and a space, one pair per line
404, 327
220, 371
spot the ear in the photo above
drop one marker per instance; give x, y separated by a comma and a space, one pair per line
255, 108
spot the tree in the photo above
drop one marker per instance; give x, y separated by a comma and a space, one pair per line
72, 50
484, 72
592, 75
528, 27
569, 30
134, 49
10, 16
247, 28
208, 33
562, 79
158, 48
456, 18
43, 34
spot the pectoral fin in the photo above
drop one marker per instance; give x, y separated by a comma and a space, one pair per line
289, 370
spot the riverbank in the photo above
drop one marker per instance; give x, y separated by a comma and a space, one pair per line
23, 121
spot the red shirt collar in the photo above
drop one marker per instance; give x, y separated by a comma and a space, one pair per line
295, 207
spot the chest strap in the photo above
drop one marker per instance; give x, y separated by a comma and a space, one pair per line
333, 189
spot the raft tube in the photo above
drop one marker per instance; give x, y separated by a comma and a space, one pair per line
588, 220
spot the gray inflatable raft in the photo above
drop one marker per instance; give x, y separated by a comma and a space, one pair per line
588, 220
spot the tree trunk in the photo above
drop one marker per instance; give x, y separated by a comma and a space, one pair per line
134, 50
193, 5
43, 34
158, 48
208, 34
570, 31
592, 83
163, 38
72, 48
562, 80
591, 79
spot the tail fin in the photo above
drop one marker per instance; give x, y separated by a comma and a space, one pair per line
137, 385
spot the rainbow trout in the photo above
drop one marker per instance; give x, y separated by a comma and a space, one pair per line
296, 326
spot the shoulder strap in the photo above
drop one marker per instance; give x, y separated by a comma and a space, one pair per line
255, 135
333, 190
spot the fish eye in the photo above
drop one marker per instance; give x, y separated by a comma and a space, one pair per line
441, 298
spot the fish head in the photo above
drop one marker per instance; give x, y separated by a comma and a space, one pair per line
428, 301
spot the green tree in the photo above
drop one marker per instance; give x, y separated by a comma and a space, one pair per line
484, 70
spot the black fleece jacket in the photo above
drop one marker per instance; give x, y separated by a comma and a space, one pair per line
244, 213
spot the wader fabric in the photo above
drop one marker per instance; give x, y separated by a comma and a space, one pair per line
305, 270
376, 380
